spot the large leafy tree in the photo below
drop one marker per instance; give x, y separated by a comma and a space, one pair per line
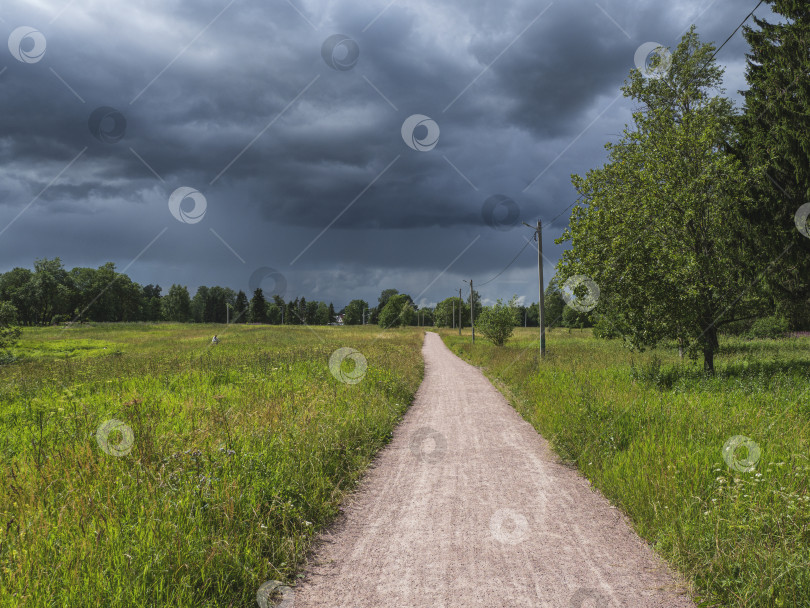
775, 135
353, 313
658, 233
398, 311
177, 304
497, 322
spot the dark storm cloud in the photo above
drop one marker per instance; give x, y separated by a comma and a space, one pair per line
236, 101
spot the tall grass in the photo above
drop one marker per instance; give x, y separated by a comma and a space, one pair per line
649, 432
239, 454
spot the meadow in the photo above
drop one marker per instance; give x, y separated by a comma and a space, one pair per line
712, 471
142, 466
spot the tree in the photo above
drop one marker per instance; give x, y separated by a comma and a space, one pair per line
16, 288
9, 332
658, 231
497, 323
240, 308
150, 303
322, 314
553, 305
258, 307
775, 138
353, 314
384, 297
398, 311
177, 304
447, 309
331, 313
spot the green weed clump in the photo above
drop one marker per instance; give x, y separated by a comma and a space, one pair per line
713, 471
163, 471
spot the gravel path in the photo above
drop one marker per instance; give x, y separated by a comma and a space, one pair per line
467, 507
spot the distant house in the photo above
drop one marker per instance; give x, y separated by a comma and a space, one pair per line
339, 319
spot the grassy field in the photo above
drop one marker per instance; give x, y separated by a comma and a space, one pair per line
141, 466
650, 432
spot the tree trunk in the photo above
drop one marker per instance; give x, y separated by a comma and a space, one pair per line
680, 347
709, 348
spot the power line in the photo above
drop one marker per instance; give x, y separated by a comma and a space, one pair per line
507, 266
735, 31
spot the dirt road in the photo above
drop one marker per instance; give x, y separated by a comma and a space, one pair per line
467, 508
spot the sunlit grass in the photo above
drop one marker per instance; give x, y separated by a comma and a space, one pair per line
649, 430
240, 453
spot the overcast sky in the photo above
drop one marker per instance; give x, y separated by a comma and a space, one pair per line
288, 125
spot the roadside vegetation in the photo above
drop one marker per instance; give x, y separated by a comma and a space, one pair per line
142, 466
649, 430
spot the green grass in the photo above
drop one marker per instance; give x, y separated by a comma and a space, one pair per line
239, 454
649, 431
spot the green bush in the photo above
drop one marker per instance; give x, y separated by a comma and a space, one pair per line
769, 327
496, 323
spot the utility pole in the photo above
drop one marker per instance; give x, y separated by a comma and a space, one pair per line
472, 310
459, 311
227, 314
538, 235
454, 314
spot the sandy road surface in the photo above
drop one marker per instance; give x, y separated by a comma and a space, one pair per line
467, 507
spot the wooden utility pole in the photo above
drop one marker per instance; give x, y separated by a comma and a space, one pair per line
472, 310
227, 314
541, 308
459, 311
454, 314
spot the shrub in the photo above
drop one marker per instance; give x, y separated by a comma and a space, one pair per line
496, 323
769, 327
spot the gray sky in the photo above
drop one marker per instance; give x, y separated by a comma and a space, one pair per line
303, 166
